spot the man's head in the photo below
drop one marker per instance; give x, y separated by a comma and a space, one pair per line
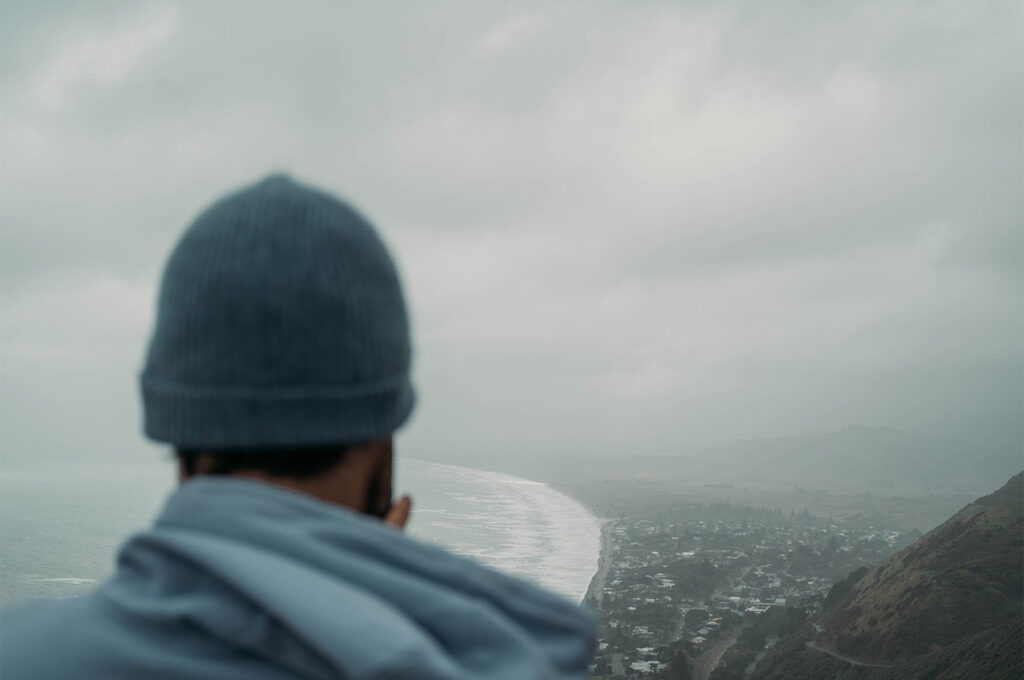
281, 337
357, 477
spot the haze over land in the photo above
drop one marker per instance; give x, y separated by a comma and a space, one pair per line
624, 228
948, 606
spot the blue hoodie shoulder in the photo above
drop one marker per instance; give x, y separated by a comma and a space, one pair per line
238, 576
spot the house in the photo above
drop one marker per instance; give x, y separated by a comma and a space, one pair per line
646, 666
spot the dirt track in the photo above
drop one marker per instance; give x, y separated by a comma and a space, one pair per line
714, 655
847, 659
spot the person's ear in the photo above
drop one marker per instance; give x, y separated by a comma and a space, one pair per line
398, 515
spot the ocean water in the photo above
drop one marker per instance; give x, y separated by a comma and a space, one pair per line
508, 523
60, 525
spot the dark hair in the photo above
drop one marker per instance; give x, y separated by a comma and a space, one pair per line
296, 463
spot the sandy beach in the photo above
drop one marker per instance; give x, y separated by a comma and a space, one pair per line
595, 591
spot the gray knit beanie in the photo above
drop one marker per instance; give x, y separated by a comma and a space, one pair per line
280, 323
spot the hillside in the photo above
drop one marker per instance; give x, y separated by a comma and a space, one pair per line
952, 600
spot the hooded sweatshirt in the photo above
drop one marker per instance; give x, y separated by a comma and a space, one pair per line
239, 579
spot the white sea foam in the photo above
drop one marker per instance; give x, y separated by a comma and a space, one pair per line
69, 580
512, 524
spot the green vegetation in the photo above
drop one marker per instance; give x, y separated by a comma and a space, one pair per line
963, 577
842, 592
757, 632
994, 653
951, 606
792, 660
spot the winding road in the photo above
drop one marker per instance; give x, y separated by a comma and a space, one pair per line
714, 655
850, 660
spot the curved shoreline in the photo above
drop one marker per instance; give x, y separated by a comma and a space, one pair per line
534, 515
595, 591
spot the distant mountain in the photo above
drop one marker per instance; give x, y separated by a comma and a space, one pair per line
871, 455
949, 606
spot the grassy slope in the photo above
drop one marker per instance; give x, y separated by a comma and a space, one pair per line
963, 577
994, 653
949, 607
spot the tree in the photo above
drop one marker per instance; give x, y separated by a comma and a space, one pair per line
695, 618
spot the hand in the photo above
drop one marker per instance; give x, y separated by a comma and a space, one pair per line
398, 515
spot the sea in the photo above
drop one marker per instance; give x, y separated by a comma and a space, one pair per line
61, 525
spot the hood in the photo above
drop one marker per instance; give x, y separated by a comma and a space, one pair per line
323, 592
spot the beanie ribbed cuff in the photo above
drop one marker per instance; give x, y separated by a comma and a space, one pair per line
240, 417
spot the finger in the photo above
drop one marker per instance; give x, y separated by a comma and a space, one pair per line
399, 513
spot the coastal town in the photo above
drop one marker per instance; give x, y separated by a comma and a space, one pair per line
672, 596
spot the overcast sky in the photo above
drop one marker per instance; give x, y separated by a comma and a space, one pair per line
622, 226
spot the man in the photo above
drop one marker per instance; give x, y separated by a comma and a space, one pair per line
279, 370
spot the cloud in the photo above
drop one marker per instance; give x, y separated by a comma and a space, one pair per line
507, 35
103, 58
77, 320
656, 223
